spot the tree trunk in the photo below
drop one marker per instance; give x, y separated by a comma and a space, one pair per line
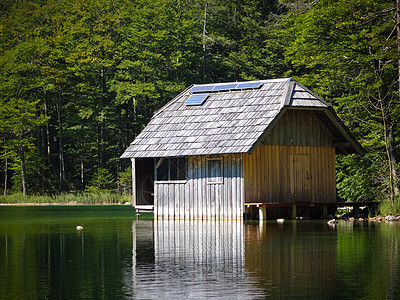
82, 175
398, 40
204, 41
60, 146
23, 170
390, 147
5, 175
391, 136
393, 159
82, 159
102, 119
47, 139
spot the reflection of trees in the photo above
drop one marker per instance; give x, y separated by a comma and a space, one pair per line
393, 272
368, 254
44, 260
50, 260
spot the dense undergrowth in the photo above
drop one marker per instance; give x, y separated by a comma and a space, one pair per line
389, 207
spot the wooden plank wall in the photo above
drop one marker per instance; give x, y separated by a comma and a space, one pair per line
299, 127
169, 198
268, 178
197, 198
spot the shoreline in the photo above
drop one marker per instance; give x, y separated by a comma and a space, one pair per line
64, 204
384, 218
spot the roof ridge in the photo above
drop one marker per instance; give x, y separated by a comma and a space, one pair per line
172, 101
286, 79
287, 97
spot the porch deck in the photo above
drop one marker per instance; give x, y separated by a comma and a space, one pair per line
302, 209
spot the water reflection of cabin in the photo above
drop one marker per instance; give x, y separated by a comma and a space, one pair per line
217, 150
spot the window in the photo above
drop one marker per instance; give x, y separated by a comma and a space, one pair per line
169, 169
214, 171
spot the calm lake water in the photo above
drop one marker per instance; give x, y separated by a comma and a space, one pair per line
115, 256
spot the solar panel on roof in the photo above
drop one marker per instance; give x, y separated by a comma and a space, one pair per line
196, 99
225, 87
202, 88
249, 85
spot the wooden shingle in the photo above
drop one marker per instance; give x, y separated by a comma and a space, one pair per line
232, 121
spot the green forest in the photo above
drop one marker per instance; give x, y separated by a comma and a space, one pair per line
79, 79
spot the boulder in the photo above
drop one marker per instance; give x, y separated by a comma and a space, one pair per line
391, 218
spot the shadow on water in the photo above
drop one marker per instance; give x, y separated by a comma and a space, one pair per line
118, 257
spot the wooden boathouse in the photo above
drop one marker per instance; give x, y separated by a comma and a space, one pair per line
219, 150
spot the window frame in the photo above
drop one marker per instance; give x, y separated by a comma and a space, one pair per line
215, 179
178, 171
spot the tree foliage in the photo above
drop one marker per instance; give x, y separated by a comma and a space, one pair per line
80, 79
348, 52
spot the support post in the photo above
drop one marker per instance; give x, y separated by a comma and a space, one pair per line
262, 212
356, 211
247, 212
294, 211
325, 210
133, 182
155, 203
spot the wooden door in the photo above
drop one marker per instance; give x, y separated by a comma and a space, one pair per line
300, 177
215, 180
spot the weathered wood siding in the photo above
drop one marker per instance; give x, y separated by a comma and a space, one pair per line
295, 164
289, 174
202, 197
169, 199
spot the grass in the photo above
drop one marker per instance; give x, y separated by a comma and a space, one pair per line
34, 213
85, 205
388, 207
67, 198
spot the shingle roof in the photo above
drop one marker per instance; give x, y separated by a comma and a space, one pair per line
229, 121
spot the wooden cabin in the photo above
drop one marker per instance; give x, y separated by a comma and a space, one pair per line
220, 151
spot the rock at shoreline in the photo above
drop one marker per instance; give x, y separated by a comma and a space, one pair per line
332, 222
376, 219
391, 218
344, 216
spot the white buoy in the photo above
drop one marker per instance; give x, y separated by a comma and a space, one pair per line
280, 220
79, 227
